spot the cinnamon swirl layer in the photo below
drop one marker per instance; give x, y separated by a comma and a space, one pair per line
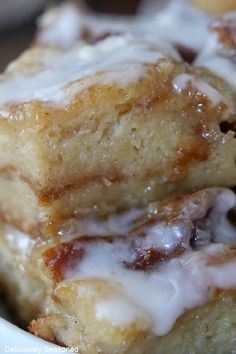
147, 280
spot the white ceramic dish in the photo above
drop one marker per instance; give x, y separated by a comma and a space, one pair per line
15, 340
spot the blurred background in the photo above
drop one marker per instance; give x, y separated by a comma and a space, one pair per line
18, 21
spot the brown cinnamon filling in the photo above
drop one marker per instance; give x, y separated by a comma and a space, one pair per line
68, 255
165, 231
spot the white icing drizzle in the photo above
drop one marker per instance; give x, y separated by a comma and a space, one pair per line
176, 21
115, 224
167, 237
19, 241
224, 231
119, 59
221, 66
182, 81
211, 210
65, 24
218, 58
163, 236
118, 307
182, 24
61, 25
159, 297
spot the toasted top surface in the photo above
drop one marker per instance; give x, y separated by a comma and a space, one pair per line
55, 71
53, 76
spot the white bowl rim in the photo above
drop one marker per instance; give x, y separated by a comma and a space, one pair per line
16, 340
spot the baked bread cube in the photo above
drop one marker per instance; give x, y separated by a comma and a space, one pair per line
109, 126
154, 280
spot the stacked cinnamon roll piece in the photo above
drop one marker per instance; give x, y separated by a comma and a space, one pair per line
117, 174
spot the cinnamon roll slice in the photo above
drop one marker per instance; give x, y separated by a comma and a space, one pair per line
152, 280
